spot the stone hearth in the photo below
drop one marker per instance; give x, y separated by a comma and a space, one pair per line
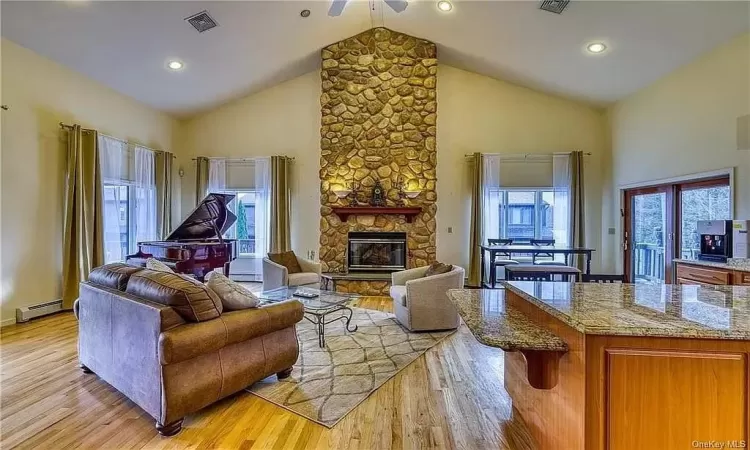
379, 115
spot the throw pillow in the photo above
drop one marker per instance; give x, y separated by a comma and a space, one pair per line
286, 259
155, 264
437, 268
233, 296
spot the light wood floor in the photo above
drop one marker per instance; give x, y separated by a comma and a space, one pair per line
452, 397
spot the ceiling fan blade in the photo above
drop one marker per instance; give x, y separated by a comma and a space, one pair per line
337, 7
397, 5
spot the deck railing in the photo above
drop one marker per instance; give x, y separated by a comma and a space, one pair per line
648, 262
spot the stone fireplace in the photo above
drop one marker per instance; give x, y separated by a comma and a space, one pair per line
378, 123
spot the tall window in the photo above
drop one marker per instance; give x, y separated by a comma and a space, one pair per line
525, 213
129, 197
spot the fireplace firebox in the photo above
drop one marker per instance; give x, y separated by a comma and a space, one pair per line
376, 251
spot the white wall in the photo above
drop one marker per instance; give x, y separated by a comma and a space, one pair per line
40, 94
684, 124
481, 114
475, 113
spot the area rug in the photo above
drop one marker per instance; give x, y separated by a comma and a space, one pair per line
328, 383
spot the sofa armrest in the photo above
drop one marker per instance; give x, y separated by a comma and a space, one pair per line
400, 278
274, 275
308, 265
195, 339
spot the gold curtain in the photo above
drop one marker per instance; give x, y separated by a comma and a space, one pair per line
279, 235
577, 205
163, 193
477, 213
83, 241
201, 178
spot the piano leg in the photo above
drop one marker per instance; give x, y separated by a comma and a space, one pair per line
226, 269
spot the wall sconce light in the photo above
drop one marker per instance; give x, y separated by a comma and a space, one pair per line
412, 194
341, 193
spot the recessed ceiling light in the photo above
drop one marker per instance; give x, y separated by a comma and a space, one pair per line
175, 65
596, 47
305, 13
444, 5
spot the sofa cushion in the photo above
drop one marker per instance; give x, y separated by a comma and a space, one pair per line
398, 294
233, 296
286, 259
299, 279
192, 300
114, 275
437, 268
155, 264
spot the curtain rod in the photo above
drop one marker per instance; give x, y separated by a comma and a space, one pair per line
523, 155
242, 159
89, 130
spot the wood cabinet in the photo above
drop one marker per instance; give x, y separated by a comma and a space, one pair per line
687, 273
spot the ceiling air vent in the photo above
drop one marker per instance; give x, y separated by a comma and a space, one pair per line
555, 6
202, 21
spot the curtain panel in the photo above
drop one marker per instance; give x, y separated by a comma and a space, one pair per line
201, 178
144, 183
279, 234
477, 223
578, 232
83, 248
163, 194
568, 228
217, 176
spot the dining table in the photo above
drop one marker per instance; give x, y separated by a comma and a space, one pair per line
534, 250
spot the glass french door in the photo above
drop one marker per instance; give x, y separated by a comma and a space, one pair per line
661, 224
648, 236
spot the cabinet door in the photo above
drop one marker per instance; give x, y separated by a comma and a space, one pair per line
704, 275
695, 396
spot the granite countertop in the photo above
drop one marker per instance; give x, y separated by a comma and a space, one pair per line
495, 324
742, 265
681, 311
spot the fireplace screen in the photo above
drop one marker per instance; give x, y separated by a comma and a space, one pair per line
376, 251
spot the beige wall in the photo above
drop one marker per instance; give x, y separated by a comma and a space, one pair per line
481, 114
476, 113
281, 120
40, 94
684, 124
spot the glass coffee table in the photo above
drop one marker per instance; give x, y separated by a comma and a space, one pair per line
318, 307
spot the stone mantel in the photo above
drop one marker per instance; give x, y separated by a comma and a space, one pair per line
407, 211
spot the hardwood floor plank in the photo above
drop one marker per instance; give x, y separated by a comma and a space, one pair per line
452, 397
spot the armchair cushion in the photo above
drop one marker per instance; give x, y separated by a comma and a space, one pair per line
114, 275
192, 300
437, 268
299, 279
286, 259
233, 296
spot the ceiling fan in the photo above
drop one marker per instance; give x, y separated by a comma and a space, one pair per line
337, 6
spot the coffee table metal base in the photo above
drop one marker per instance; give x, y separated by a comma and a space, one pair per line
319, 320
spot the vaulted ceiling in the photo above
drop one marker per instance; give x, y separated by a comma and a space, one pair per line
126, 45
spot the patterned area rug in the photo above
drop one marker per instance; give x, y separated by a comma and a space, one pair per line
328, 383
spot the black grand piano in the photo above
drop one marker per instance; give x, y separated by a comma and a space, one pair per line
196, 246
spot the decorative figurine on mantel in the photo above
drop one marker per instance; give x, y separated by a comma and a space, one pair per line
378, 195
400, 184
355, 194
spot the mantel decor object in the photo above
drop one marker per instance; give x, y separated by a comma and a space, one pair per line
378, 195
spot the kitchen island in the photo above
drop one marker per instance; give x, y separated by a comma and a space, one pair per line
620, 366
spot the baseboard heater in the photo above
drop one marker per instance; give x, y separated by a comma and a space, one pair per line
31, 312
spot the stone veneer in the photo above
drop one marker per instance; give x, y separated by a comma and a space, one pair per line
379, 113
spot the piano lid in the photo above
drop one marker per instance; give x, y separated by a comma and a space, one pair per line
210, 215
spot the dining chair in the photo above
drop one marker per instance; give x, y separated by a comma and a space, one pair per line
603, 278
547, 259
501, 259
538, 272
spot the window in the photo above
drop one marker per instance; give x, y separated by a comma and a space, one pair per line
701, 201
129, 197
243, 206
526, 213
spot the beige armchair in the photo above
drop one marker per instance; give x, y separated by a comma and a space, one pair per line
276, 275
420, 303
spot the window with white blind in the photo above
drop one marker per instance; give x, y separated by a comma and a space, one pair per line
128, 176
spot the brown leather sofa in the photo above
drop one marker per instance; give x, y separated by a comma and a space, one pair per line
164, 341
